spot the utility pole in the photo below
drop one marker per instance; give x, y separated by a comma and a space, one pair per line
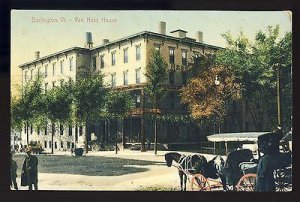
279, 108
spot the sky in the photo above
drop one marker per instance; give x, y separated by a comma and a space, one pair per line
56, 30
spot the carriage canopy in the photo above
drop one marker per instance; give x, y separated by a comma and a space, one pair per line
236, 137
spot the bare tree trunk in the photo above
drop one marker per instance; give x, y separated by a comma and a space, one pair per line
155, 127
52, 137
27, 135
116, 141
85, 137
123, 134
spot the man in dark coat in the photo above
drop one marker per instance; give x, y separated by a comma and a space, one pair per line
13, 173
269, 146
29, 171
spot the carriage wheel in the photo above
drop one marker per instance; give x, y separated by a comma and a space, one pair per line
246, 183
281, 181
199, 183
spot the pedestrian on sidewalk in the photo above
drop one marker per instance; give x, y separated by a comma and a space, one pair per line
13, 173
30, 171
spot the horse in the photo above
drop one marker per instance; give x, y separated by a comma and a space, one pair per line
196, 164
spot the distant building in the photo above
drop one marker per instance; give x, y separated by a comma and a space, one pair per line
123, 62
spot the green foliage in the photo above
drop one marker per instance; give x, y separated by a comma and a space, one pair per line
254, 64
88, 97
27, 108
157, 74
58, 104
118, 103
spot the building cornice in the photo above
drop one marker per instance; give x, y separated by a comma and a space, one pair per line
144, 35
53, 55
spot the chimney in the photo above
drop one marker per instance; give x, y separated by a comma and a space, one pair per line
179, 33
162, 27
199, 36
105, 41
88, 40
37, 55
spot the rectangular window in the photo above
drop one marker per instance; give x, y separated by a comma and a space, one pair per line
62, 67
102, 61
61, 129
171, 77
80, 130
39, 72
68, 145
113, 58
184, 57
62, 144
25, 76
55, 145
46, 70
171, 56
138, 52
126, 55
45, 144
138, 76
94, 63
70, 130
71, 64
113, 80
53, 69
46, 130
125, 78
50, 144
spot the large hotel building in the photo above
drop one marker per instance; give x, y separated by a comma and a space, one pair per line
123, 62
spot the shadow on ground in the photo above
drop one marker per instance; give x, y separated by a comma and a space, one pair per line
87, 165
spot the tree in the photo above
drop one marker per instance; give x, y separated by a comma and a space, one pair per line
206, 99
27, 110
253, 64
156, 73
117, 105
88, 97
57, 108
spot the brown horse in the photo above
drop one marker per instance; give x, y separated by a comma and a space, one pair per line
196, 164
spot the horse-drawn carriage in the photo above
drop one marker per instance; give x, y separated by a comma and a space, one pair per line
238, 172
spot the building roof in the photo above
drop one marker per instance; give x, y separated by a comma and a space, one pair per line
236, 137
53, 55
178, 30
144, 33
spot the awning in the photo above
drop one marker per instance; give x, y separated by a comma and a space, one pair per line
235, 137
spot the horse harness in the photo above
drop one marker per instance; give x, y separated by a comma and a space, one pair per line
185, 163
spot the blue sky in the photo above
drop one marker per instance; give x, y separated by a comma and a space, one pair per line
28, 36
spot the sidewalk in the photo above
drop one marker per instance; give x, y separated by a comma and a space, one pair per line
157, 175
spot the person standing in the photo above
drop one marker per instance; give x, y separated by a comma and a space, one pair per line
13, 173
269, 146
30, 171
